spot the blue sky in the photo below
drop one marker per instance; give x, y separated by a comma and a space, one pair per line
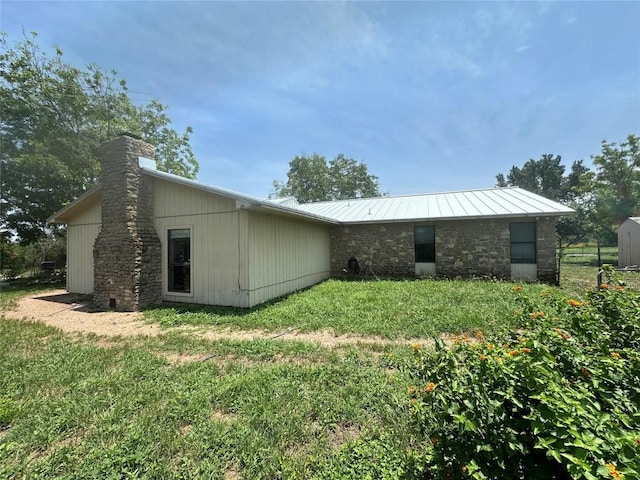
432, 96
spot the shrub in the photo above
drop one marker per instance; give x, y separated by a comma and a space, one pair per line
559, 397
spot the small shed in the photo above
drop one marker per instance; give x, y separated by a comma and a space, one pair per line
629, 242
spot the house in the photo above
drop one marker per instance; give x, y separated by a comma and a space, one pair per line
143, 236
629, 243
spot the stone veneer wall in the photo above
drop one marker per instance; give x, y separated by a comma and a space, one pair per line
127, 252
385, 249
547, 258
464, 248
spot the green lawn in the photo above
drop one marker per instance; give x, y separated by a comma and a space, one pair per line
587, 255
179, 406
392, 309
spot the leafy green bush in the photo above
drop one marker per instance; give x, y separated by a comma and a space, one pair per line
559, 397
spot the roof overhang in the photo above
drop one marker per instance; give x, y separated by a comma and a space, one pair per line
458, 218
88, 198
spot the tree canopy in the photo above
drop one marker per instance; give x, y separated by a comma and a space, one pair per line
54, 117
602, 199
312, 179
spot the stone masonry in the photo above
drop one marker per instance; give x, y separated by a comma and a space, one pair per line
464, 248
127, 252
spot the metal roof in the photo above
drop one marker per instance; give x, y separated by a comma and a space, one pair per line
470, 204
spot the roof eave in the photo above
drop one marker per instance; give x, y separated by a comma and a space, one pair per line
59, 216
457, 218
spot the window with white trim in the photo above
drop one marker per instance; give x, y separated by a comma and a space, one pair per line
179, 260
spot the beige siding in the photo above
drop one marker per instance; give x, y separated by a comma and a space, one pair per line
82, 231
285, 255
629, 244
218, 236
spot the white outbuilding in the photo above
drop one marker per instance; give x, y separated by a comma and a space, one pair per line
629, 243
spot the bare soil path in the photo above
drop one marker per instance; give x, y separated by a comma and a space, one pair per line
75, 314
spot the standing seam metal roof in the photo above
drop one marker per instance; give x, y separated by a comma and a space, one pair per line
490, 202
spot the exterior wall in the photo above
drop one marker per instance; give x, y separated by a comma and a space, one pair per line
385, 250
82, 231
218, 243
471, 248
629, 244
285, 255
546, 250
475, 248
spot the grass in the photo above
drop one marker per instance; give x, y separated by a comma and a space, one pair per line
180, 406
390, 309
587, 255
270, 410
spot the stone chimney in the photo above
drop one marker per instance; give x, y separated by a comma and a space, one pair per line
127, 252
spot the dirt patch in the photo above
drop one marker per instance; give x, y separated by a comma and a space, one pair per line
343, 434
74, 313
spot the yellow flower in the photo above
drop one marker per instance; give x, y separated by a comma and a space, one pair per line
412, 389
619, 288
575, 303
604, 286
615, 355
430, 387
613, 471
416, 347
525, 350
517, 289
479, 334
513, 353
483, 357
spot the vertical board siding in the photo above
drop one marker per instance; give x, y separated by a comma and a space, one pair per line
82, 231
215, 225
285, 255
629, 244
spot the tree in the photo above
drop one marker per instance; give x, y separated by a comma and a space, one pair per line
54, 117
618, 178
311, 179
546, 178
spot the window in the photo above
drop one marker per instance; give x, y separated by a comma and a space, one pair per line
425, 244
179, 261
523, 242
